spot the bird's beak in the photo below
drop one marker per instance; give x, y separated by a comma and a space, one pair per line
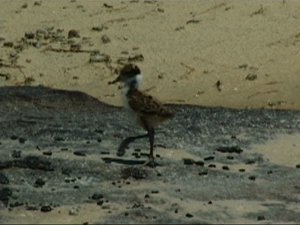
115, 80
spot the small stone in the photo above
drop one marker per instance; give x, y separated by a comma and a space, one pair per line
100, 202
212, 166
73, 34
73, 211
230, 157
98, 28
261, 217
188, 161
225, 167
39, 183
189, 215
252, 177
8, 44
13, 137
209, 158
96, 57
209, 202
22, 140
155, 192
79, 153
3, 179
251, 76
105, 39
48, 153
147, 196
24, 6
298, 166
242, 170
203, 173
29, 35
16, 154
46, 208
97, 196
199, 163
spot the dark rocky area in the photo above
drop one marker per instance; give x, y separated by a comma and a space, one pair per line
59, 148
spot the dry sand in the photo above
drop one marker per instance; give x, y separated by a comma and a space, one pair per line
231, 53
187, 46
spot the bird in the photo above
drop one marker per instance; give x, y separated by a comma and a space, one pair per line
148, 111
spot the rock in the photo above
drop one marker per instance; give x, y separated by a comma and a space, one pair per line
252, 177
97, 57
3, 179
5, 193
97, 196
230, 149
134, 172
73, 34
105, 39
8, 44
188, 215
29, 35
46, 208
39, 183
251, 76
79, 153
208, 158
188, 161
16, 154
22, 140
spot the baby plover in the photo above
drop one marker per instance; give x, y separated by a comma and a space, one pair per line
149, 112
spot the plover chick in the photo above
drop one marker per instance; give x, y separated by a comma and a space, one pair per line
149, 112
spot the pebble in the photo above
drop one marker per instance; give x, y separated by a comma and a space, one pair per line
13, 137
79, 153
29, 35
230, 149
8, 44
225, 167
188, 161
97, 57
261, 217
16, 154
97, 196
22, 140
48, 153
3, 179
105, 39
134, 172
252, 177
46, 208
73, 211
298, 166
212, 166
39, 183
203, 173
73, 34
189, 215
251, 76
209, 158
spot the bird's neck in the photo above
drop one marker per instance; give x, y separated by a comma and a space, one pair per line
133, 84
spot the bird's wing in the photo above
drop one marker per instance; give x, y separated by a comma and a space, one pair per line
146, 104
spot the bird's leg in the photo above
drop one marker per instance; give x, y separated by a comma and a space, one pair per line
124, 144
151, 162
151, 141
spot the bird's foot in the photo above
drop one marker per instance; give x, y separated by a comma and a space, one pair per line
151, 163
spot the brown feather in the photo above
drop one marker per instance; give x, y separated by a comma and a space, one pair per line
149, 110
